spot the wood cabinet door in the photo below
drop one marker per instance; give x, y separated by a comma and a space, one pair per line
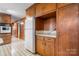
31, 11
7, 39
53, 46
49, 46
6, 18
39, 9
44, 8
67, 30
48, 7
59, 5
40, 45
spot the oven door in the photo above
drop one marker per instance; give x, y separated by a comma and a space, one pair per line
5, 29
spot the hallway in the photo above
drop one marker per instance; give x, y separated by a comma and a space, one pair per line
16, 48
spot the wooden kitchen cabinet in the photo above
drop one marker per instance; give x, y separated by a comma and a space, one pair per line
7, 39
5, 18
39, 10
31, 11
59, 5
49, 46
44, 8
68, 30
45, 45
40, 45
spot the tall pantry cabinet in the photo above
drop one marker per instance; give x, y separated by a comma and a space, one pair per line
67, 42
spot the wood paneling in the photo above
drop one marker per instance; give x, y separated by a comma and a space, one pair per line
15, 30
67, 29
22, 31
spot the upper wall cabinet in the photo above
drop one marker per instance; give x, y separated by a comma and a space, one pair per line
5, 18
44, 8
31, 11
59, 5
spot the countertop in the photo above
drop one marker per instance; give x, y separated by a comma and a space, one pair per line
45, 35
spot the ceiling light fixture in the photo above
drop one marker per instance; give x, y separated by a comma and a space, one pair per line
21, 23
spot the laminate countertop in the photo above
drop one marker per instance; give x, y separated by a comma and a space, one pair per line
46, 35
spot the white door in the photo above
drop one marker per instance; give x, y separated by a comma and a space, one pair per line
30, 35
29, 40
29, 23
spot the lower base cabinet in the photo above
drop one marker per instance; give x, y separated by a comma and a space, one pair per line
7, 39
40, 45
45, 46
49, 46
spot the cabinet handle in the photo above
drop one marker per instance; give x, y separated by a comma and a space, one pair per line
45, 44
42, 43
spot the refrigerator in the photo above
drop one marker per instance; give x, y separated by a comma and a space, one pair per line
30, 34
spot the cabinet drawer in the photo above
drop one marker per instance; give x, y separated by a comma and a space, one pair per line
39, 38
49, 39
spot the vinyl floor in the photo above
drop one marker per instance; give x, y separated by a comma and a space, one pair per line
16, 48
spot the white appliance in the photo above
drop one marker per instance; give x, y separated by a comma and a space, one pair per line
5, 29
30, 34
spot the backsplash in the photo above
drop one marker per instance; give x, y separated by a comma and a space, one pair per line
50, 24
